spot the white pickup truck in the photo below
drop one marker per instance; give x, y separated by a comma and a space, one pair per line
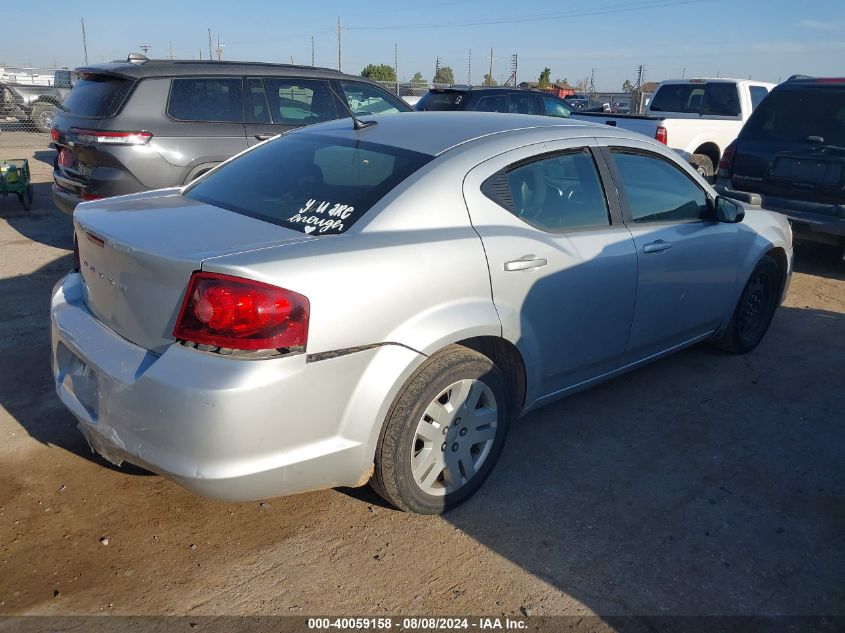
698, 118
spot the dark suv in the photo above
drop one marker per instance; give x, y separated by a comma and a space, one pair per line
485, 99
790, 157
147, 124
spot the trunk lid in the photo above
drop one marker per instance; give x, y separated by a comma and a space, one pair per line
137, 254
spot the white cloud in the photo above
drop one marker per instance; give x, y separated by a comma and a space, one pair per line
797, 48
821, 26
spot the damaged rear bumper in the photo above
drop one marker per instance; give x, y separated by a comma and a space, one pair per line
226, 428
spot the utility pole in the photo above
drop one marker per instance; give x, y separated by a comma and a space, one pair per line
593, 81
684, 72
210, 52
219, 49
312, 50
469, 68
514, 67
436, 69
144, 47
396, 64
490, 74
339, 44
84, 42
170, 47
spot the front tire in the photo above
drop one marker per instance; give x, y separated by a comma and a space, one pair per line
444, 433
755, 309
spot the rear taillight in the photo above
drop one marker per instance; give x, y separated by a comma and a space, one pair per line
661, 135
76, 265
54, 134
110, 138
89, 196
236, 313
726, 163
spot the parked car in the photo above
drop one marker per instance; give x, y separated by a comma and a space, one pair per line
146, 124
34, 100
493, 99
620, 108
340, 305
577, 101
697, 117
790, 157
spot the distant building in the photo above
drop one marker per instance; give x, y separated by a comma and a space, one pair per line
559, 88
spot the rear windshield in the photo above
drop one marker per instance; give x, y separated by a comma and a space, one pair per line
718, 99
310, 183
97, 96
796, 115
432, 101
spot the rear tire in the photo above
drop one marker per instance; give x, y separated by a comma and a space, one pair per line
704, 166
755, 309
444, 433
43, 115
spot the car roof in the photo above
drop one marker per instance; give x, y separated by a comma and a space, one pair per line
802, 81
177, 68
434, 133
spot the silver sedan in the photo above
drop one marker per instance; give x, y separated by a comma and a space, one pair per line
378, 302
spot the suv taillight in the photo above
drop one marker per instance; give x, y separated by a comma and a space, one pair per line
54, 134
110, 138
236, 313
661, 135
726, 163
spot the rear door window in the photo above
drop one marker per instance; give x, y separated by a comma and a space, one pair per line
523, 104
554, 194
256, 109
97, 96
213, 99
300, 101
312, 183
493, 103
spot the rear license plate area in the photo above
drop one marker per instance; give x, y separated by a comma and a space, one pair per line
809, 171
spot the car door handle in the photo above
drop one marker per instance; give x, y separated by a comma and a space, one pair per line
657, 246
525, 263
264, 137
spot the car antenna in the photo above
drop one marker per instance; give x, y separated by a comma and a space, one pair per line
357, 123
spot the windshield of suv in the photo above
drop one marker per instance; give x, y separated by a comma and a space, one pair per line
718, 99
795, 115
97, 96
310, 183
433, 101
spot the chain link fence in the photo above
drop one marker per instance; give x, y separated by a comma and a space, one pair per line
29, 99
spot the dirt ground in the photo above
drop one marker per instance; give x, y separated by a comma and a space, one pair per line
702, 484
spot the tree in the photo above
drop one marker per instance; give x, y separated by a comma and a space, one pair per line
545, 78
444, 75
488, 81
627, 86
379, 72
417, 78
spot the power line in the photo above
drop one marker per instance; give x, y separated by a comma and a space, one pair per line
547, 17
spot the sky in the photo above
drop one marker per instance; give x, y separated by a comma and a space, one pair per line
671, 38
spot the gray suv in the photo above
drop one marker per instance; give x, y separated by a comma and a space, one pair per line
147, 124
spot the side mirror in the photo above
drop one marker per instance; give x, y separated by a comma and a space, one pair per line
728, 210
